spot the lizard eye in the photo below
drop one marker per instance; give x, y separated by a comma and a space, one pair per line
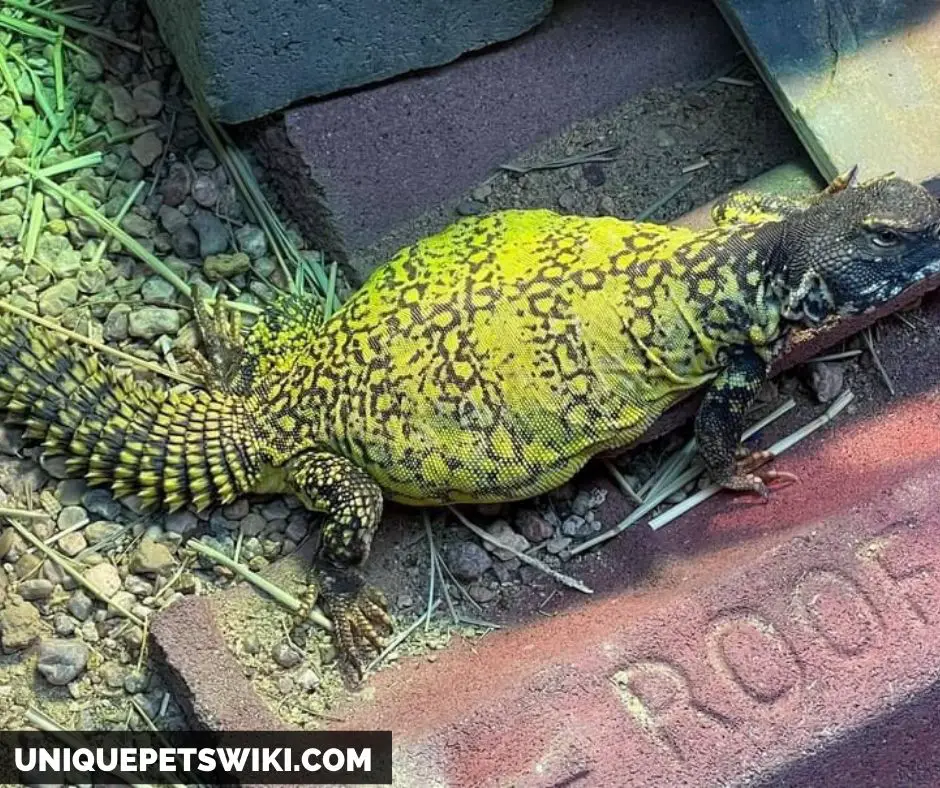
885, 239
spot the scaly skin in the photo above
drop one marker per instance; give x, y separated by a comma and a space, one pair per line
487, 363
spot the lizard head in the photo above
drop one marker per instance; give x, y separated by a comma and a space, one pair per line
856, 248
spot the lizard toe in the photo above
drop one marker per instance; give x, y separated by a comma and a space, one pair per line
359, 613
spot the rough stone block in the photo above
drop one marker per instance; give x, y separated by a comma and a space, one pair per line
352, 167
246, 58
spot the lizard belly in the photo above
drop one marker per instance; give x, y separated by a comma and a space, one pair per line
498, 410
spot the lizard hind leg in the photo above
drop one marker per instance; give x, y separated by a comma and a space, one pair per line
220, 329
352, 502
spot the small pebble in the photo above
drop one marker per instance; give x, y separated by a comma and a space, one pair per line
63, 625
213, 235
176, 185
34, 589
827, 379
204, 159
72, 517
80, 605
285, 655
252, 241
147, 148
467, 560
555, 545
151, 557
252, 524
307, 680
182, 522
61, 661
99, 501
104, 577
576, 526
185, 243
533, 526
100, 530
236, 510
72, 543
19, 625
147, 99
205, 191
138, 586
135, 682
503, 533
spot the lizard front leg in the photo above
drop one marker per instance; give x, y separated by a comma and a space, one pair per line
720, 422
352, 502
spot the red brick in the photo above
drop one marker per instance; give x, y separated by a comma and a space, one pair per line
784, 629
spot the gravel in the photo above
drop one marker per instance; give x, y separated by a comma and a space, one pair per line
61, 661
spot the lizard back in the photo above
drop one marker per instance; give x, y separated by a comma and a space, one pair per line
491, 361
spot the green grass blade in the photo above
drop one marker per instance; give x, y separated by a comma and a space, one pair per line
131, 244
8, 77
59, 70
35, 225
329, 302
62, 167
131, 199
27, 29
72, 23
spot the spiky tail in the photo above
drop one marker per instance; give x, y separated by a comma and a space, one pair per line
170, 449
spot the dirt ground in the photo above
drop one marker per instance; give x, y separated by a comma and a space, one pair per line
734, 128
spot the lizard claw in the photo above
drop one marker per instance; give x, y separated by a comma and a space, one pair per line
220, 329
748, 477
359, 613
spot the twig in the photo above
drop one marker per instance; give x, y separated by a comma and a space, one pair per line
59, 70
34, 226
279, 595
699, 165
73, 335
463, 591
433, 572
8, 78
622, 482
166, 149
401, 637
56, 558
25, 514
650, 210
436, 562
587, 157
119, 217
835, 357
744, 83
877, 361
528, 559
777, 449
78, 163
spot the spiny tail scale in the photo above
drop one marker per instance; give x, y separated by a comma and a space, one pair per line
168, 448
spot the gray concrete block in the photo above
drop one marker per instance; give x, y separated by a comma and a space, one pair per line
247, 58
354, 166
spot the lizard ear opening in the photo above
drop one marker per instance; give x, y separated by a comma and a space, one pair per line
809, 301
